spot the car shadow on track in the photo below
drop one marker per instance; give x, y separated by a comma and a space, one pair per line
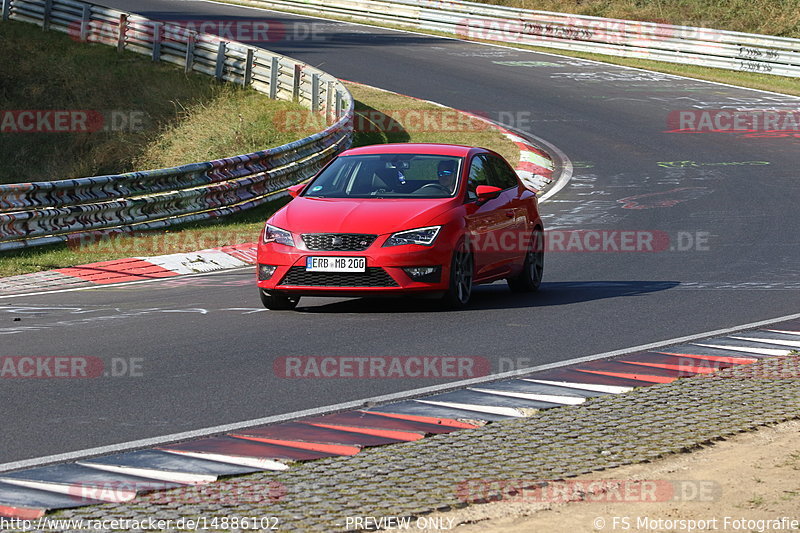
496, 296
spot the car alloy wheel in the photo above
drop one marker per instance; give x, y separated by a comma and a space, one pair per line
461, 274
530, 278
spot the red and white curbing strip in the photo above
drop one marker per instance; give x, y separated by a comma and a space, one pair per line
162, 266
206, 260
131, 269
535, 167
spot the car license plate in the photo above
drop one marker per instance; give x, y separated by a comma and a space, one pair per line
336, 264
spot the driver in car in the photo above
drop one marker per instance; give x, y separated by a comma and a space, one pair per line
447, 174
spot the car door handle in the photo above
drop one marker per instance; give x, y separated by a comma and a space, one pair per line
510, 213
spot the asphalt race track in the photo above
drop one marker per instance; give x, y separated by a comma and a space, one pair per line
198, 351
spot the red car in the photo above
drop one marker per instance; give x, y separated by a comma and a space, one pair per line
403, 219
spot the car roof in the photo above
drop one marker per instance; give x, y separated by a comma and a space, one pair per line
414, 148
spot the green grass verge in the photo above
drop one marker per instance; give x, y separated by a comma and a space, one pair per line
157, 115
237, 121
375, 108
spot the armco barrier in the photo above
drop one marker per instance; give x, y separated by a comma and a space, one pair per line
644, 40
49, 212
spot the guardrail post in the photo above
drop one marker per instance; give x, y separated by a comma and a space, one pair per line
220, 70
338, 105
329, 100
248, 68
189, 53
274, 71
298, 70
314, 93
123, 29
86, 20
48, 7
157, 41
6, 9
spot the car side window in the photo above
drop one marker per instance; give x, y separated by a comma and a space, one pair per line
502, 175
478, 175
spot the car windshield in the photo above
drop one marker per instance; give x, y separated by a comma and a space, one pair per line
388, 176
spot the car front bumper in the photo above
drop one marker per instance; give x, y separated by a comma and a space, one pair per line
385, 273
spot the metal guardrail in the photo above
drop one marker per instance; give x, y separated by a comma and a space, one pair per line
50, 212
643, 40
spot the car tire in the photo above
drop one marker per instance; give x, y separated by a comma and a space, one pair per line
530, 278
278, 301
462, 270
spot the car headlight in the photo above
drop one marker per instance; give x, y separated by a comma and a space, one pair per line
423, 236
278, 235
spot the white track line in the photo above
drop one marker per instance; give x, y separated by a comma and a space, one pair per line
151, 473
370, 402
747, 349
241, 460
489, 409
785, 332
77, 490
778, 342
607, 389
549, 398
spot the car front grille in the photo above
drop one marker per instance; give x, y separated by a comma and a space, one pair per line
338, 242
373, 277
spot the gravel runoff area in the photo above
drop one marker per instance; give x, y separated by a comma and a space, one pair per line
440, 472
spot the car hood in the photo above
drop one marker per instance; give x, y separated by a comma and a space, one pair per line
343, 215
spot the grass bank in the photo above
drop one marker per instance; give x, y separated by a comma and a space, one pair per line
117, 112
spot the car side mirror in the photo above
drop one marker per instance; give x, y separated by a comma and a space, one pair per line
295, 190
487, 192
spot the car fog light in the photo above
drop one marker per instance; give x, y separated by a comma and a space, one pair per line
428, 274
265, 272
